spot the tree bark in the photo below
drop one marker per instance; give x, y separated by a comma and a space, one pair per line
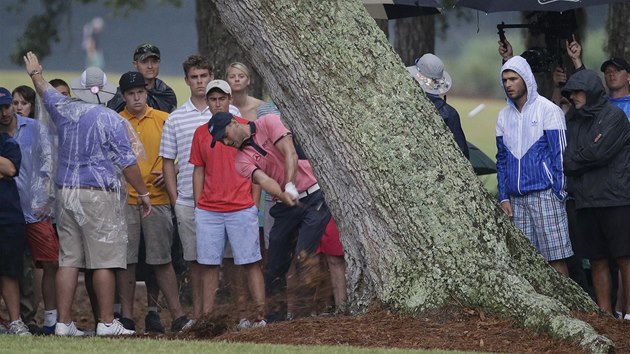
618, 30
418, 228
414, 37
216, 43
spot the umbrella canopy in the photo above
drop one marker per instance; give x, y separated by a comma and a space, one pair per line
393, 9
530, 5
481, 163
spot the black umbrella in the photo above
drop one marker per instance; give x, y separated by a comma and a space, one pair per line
392, 9
481, 163
530, 5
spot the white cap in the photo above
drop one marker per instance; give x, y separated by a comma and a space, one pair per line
221, 85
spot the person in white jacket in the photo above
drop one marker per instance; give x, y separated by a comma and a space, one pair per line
531, 138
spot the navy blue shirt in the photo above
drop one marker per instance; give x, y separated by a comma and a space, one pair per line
10, 209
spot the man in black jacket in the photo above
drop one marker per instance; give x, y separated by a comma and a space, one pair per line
435, 81
146, 60
597, 165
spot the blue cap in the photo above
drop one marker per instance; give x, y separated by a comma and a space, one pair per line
5, 97
217, 124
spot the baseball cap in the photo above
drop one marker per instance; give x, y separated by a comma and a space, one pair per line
618, 62
131, 79
5, 96
92, 86
430, 74
217, 124
146, 50
220, 84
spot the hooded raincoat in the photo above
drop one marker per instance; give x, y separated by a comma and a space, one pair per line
597, 158
530, 142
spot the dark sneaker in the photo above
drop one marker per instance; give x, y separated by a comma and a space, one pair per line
181, 324
152, 323
35, 329
128, 323
48, 330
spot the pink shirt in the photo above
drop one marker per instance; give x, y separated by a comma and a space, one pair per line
268, 130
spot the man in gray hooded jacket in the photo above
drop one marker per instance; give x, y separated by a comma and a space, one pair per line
597, 165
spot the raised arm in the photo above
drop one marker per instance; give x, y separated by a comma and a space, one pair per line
34, 70
574, 51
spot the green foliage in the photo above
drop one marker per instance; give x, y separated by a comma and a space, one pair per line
43, 29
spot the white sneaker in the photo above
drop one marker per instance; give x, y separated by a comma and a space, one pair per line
62, 329
19, 328
626, 317
243, 324
114, 329
259, 324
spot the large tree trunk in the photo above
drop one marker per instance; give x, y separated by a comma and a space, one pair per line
418, 227
215, 42
618, 30
413, 37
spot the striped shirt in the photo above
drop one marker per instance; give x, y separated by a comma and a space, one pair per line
176, 142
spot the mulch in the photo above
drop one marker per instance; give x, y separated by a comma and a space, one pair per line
449, 328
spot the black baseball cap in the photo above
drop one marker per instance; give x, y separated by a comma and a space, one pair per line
131, 79
618, 62
146, 50
217, 124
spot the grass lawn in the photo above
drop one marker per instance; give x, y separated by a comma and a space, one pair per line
53, 345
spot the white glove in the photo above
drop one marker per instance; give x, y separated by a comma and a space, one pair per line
290, 188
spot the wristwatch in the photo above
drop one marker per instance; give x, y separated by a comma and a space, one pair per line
34, 72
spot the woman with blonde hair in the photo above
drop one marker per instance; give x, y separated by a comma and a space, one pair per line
238, 76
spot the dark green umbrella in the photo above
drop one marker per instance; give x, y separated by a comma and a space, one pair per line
481, 163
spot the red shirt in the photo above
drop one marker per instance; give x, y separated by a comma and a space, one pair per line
224, 189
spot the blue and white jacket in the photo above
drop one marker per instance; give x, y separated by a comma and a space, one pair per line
530, 143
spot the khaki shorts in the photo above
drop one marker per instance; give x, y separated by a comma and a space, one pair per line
186, 228
157, 230
92, 231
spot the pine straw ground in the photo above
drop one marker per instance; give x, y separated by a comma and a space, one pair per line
453, 327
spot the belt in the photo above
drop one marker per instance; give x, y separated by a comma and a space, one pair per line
105, 189
310, 190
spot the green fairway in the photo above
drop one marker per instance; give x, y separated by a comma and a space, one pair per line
53, 345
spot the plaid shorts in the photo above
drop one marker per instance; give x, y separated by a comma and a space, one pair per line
543, 219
